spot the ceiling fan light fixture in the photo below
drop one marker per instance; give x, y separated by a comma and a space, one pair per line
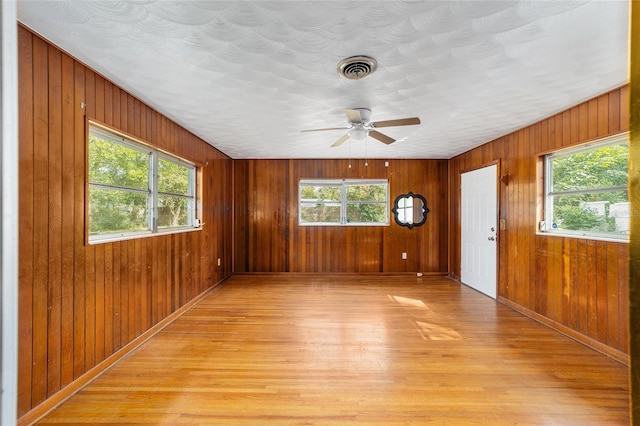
358, 133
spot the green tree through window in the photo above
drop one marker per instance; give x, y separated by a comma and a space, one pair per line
135, 189
349, 202
585, 184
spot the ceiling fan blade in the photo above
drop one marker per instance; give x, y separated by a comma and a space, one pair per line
399, 122
341, 140
322, 130
353, 115
382, 138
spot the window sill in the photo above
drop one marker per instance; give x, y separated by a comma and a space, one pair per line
580, 236
134, 236
343, 225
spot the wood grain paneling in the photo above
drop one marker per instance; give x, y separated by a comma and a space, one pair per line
80, 304
269, 239
579, 284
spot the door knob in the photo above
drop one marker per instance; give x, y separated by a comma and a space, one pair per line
492, 238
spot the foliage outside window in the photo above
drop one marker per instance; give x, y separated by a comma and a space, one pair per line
587, 190
343, 202
136, 190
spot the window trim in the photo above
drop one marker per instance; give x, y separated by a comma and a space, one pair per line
547, 192
344, 203
152, 211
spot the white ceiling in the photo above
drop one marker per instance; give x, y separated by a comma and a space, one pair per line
248, 76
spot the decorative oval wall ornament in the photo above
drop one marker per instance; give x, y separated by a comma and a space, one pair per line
410, 210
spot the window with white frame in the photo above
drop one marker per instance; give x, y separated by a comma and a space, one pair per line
350, 202
586, 190
135, 190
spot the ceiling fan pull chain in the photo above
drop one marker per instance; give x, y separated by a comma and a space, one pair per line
366, 153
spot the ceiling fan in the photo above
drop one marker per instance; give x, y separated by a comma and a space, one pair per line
360, 126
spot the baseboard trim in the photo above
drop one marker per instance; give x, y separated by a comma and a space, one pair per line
613, 353
375, 274
72, 388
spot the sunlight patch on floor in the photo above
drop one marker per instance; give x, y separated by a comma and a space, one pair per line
430, 331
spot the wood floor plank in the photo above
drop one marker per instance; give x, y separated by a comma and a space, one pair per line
312, 349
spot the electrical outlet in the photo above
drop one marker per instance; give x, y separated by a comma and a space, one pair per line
404, 256
419, 274
219, 262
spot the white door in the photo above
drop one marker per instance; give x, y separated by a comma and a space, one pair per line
479, 214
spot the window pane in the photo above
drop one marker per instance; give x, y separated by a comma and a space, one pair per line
320, 193
114, 164
173, 178
366, 213
320, 203
320, 213
602, 212
173, 211
117, 211
370, 192
602, 167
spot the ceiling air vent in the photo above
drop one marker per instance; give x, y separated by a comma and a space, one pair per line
357, 67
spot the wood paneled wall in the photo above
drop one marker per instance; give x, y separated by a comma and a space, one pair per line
580, 285
269, 239
79, 304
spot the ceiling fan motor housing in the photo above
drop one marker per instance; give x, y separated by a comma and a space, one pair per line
365, 114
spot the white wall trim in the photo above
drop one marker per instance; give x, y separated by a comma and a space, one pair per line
9, 207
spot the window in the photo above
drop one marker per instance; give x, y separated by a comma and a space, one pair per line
135, 190
586, 191
343, 202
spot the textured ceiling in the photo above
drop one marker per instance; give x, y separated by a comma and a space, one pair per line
248, 76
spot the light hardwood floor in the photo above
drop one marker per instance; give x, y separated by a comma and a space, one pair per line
277, 350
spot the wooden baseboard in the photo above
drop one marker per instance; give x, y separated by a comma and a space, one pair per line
393, 274
61, 396
615, 354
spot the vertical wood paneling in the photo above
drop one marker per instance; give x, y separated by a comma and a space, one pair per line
592, 319
269, 239
108, 301
66, 249
136, 313
131, 290
100, 298
574, 289
79, 216
26, 209
90, 308
623, 299
40, 220
611, 284
54, 181
580, 284
124, 292
581, 280
602, 319
79, 304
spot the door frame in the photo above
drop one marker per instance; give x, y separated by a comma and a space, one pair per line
500, 218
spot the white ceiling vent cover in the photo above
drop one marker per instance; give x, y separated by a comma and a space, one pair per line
357, 67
